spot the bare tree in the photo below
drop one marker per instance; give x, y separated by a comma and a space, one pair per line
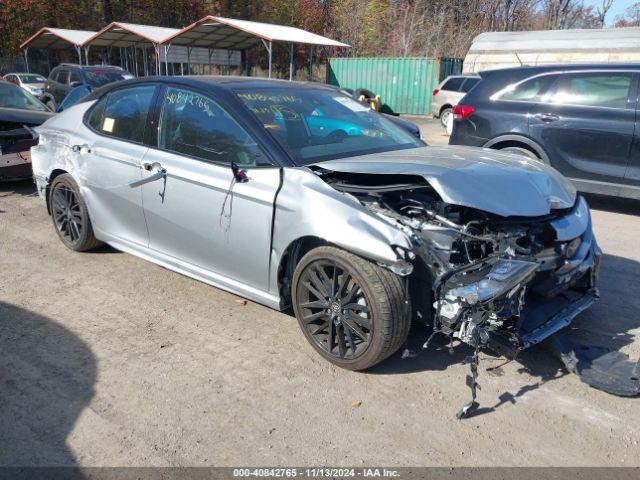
602, 11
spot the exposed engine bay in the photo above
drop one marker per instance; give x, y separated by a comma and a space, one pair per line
502, 282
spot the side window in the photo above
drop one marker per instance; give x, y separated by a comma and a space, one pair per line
453, 84
94, 118
195, 125
598, 89
125, 113
531, 90
63, 77
468, 84
74, 76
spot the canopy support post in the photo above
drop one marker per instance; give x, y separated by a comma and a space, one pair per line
145, 65
209, 56
269, 47
166, 58
86, 55
156, 51
79, 52
135, 59
188, 61
291, 67
26, 59
311, 64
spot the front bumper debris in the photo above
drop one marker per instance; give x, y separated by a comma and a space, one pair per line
511, 304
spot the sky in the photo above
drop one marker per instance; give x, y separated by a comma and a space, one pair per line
618, 8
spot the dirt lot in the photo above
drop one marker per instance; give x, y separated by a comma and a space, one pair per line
108, 360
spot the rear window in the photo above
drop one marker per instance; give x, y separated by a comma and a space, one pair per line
469, 84
599, 89
103, 76
453, 84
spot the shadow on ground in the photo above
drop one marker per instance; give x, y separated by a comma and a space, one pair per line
47, 377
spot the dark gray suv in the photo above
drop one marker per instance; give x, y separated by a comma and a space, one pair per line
67, 76
580, 119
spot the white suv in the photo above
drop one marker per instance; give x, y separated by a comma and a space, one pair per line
449, 93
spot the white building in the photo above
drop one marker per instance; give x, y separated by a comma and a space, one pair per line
492, 50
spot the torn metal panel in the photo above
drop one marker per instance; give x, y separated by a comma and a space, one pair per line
332, 216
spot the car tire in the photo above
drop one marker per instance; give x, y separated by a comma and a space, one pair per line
51, 104
444, 116
352, 311
70, 215
521, 151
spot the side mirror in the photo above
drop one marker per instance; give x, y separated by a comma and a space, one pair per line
75, 84
239, 174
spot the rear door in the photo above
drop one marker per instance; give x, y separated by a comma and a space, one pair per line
585, 123
196, 212
110, 151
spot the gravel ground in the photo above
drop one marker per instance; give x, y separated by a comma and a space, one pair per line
107, 360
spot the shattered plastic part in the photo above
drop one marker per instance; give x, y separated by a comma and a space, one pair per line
610, 371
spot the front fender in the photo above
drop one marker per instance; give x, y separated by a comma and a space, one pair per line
308, 207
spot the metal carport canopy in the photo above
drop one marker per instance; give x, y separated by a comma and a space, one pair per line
56, 38
119, 34
232, 34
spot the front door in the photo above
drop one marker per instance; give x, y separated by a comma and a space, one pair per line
109, 151
195, 210
586, 123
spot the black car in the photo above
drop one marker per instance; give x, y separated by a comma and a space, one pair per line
67, 76
19, 112
580, 119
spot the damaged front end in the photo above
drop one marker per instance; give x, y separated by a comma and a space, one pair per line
16, 138
485, 280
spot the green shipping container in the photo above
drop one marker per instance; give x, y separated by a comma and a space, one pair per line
404, 84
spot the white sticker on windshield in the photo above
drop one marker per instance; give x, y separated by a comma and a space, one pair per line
352, 104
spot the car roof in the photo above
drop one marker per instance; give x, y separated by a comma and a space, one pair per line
216, 82
561, 67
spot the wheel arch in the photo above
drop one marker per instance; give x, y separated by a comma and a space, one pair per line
512, 140
54, 173
290, 258
443, 108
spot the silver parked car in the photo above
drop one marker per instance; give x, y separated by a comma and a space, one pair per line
449, 93
293, 194
31, 82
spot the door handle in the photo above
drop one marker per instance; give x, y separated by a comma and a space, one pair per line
160, 173
151, 166
547, 117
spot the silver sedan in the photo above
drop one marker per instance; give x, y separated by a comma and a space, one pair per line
297, 195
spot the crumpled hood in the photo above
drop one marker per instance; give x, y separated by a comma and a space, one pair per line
500, 183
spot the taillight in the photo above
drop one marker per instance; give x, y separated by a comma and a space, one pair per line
46, 83
462, 112
435, 92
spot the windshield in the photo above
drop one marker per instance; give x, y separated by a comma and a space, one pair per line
314, 125
98, 77
15, 97
31, 78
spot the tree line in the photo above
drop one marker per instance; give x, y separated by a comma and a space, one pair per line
373, 27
